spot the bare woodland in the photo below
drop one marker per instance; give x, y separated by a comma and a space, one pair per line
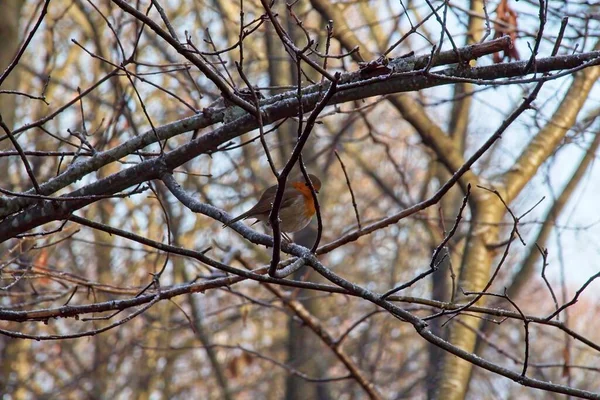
454, 139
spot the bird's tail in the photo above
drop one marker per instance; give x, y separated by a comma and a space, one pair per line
236, 219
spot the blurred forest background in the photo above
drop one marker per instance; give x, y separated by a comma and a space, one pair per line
472, 170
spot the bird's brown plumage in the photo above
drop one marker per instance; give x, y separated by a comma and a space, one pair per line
297, 204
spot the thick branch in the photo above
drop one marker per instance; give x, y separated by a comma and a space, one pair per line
278, 107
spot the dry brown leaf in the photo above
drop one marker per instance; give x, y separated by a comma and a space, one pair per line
506, 24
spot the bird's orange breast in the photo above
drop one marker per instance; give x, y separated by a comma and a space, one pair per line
309, 204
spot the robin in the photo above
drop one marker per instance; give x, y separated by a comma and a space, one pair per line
297, 205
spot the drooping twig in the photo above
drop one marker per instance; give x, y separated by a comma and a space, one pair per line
350, 189
544, 254
274, 215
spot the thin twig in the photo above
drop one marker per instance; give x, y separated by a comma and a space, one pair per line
15, 60
434, 259
544, 254
350, 189
17, 147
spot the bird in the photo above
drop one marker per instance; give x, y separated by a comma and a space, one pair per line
297, 205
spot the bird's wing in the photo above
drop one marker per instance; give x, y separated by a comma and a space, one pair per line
263, 206
266, 200
289, 197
